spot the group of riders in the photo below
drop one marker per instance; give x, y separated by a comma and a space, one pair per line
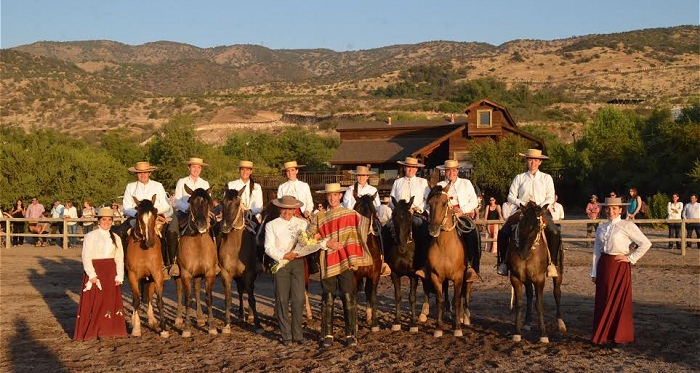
532, 186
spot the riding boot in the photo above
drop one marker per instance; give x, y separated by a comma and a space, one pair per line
350, 310
502, 250
171, 242
327, 320
553, 245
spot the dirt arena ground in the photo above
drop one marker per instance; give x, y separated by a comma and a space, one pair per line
39, 297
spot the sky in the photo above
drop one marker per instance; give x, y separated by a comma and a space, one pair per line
339, 25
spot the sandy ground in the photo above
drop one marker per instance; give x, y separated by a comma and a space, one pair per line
39, 298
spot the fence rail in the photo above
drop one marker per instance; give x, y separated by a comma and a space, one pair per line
7, 234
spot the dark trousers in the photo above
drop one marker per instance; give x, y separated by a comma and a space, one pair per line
59, 230
472, 246
289, 288
674, 231
18, 227
689, 233
345, 284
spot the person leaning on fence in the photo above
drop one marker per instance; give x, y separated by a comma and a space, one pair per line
691, 210
57, 213
592, 212
675, 211
71, 212
532, 186
17, 226
35, 210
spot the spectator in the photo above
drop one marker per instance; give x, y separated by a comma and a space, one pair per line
117, 212
35, 210
635, 203
508, 209
492, 212
17, 211
57, 213
217, 209
674, 209
593, 212
384, 211
692, 211
88, 213
71, 212
43, 227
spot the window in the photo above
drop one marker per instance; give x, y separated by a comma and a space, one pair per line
483, 118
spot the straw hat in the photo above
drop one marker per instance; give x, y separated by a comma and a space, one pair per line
142, 167
450, 163
245, 164
362, 170
292, 164
197, 161
534, 153
615, 201
386, 200
287, 202
332, 188
410, 161
105, 212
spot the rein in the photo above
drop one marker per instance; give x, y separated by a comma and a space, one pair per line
540, 234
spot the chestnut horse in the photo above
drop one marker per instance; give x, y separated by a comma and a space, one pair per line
197, 257
404, 256
371, 273
144, 265
445, 254
527, 264
237, 257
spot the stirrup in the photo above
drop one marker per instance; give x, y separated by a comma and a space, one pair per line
471, 275
166, 275
327, 341
552, 271
174, 270
386, 270
502, 269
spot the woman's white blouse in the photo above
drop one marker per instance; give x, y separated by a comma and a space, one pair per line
98, 245
614, 238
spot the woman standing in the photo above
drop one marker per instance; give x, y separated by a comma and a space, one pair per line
612, 274
675, 208
492, 212
18, 227
634, 205
88, 213
101, 309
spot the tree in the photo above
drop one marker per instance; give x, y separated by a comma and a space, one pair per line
497, 163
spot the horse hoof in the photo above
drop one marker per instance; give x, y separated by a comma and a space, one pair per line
213, 331
562, 326
396, 327
544, 339
425, 309
527, 328
422, 318
226, 329
517, 338
259, 330
375, 329
466, 321
135, 333
458, 333
437, 333
413, 329
186, 334
201, 322
179, 322
165, 334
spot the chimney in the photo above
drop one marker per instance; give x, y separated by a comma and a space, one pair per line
452, 118
388, 123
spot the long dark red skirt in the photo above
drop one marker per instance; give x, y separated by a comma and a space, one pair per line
101, 312
612, 320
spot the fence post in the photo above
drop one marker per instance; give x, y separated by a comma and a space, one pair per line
65, 234
8, 235
683, 236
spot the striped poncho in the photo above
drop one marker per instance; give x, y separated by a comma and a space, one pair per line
347, 227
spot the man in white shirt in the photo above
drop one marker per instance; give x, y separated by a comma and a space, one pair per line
532, 186
57, 213
556, 209
691, 210
296, 188
384, 211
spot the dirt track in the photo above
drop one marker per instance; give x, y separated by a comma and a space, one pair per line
38, 298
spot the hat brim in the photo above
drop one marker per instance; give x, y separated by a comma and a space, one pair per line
199, 164
410, 165
363, 173
533, 157
150, 169
297, 166
614, 204
283, 206
341, 190
442, 167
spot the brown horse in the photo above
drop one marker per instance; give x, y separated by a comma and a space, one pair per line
445, 254
527, 262
371, 273
237, 259
197, 257
404, 256
144, 265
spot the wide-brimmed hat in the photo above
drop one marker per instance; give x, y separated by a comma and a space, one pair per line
104, 212
287, 202
410, 161
292, 164
534, 153
386, 200
615, 201
142, 167
450, 163
362, 170
245, 164
197, 161
332, 188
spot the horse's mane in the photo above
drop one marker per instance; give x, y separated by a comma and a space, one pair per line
230, 194
528, 228
364, 205
145, 205
200, 193
435, 191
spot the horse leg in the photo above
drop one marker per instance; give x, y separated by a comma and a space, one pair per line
158, 285
307, 306
539, 289
459, 306
557, 297
412, 304
252, 304
226, 282
136, 301
180, 305
208, 287
152, 322
518, 300
186, 287
397, 301
198, 301
529, 292
447, 307
371, 292
466, 297
440, 303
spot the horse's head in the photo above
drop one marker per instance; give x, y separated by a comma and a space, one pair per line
402, 220
364, 205
146, 215
200, 209
529, 226
440, 209
232, 213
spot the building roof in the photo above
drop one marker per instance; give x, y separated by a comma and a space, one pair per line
378, 126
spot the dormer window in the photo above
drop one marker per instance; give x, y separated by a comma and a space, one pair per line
483, 118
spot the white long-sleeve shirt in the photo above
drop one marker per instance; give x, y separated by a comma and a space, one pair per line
299, 190
349, 196
144, 191
691, 210
405, 188
182, 198
462, 194
384, 212
98, 245
72, 213
526, 187
614, 238
254, 202
674, 210
281, 236
508, 209
557, 211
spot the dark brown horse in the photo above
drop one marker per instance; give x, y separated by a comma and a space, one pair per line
237, 259
405, 252
445, 254
371, 274
144, 264
197, 257
527, 262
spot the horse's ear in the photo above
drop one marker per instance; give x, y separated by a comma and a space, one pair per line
153, 199
522, 206
211, 189
393, 200
136, 201
188, 190
410, 201
447, 187
544, 208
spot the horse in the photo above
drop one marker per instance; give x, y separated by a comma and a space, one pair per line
144, 265
404, 257
364, 205
445, 254
197, 257
237, 257
527, 264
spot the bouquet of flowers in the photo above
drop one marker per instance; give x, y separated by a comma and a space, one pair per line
305, 245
